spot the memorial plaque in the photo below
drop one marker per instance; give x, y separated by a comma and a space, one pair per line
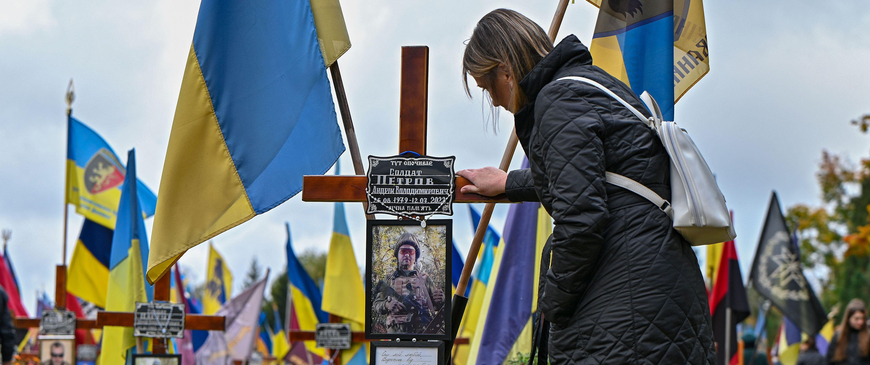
57, 322
332, 336
410, 186
407, 353
158, 320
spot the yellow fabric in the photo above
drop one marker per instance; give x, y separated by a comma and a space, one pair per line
343, 293
92, 206
478, 331
87, 278
280, 345
331, 30
690, 48
608, 55
468, 326
201, 194
210, 300
714, 255
306, 318
126, 287
828, 330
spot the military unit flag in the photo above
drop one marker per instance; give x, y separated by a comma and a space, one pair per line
218, 282
254, 114
658, 46
777, 275
728, 294
94, 177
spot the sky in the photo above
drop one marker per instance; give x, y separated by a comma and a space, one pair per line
784, 85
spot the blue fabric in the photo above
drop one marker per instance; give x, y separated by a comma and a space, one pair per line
300, 279
265, 75
457, 265
130, 224
511, 304
98, 240
264, 335
83, 143
648, 54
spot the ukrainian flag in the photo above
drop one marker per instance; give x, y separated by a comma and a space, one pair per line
254, 114
88, 276
127, 283
94, 175
280, 345
305, 299
343, 293
634, 42
218, 282
476, 291
264, 341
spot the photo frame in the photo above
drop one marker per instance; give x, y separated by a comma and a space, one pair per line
50, 346
406, 352
408, 297
156, 359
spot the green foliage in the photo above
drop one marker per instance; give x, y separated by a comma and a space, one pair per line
255, 273
836, 236
314, 264
432, 253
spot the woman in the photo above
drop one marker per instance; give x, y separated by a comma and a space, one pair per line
623, 287
851, 343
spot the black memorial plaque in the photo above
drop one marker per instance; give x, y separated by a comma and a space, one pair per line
158, 320
332, 336
407, 186
57, 322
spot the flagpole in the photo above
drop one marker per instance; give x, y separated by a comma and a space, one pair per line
70, 97
347, 121
728, 334
471, 257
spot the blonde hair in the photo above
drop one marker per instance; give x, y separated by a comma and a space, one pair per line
504, 36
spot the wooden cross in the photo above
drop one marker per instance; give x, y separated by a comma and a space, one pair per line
412, 137
60, 304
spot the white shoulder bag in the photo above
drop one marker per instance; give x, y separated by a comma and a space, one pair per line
697, 206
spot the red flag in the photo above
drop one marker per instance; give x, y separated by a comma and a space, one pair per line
728, 292
7, 281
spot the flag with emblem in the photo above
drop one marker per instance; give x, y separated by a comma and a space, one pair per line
218, 282
94, 175
777, 275
658, 46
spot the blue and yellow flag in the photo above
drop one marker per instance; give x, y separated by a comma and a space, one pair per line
88, 275
634, 42
512, 293
254, 114
94, 177
343, 292
127, 283
218, 282
264, 343
280, 345
305, 299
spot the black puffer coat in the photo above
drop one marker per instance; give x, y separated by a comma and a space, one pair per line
623, 286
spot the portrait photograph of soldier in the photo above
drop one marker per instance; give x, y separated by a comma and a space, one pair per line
408, 287
56, 351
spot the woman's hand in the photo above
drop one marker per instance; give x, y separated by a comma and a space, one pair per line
488, 181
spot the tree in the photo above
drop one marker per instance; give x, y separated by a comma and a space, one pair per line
835, 237
255, 272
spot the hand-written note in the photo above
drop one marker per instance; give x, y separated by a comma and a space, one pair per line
406, 355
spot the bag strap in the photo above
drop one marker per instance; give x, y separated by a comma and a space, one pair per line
650, 122
617, 179
640, 189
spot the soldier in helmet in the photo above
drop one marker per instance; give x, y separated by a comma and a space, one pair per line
408, 297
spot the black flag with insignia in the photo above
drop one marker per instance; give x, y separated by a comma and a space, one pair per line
776, 274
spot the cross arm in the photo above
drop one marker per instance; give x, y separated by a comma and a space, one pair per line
355, 337
24, 322
191, 321
331, 188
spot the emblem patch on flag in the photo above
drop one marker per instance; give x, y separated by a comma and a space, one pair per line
103, 172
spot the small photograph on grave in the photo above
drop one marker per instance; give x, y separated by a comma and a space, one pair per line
57, 350
407, 268
155, 359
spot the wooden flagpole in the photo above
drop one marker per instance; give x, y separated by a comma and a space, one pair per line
70, 98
